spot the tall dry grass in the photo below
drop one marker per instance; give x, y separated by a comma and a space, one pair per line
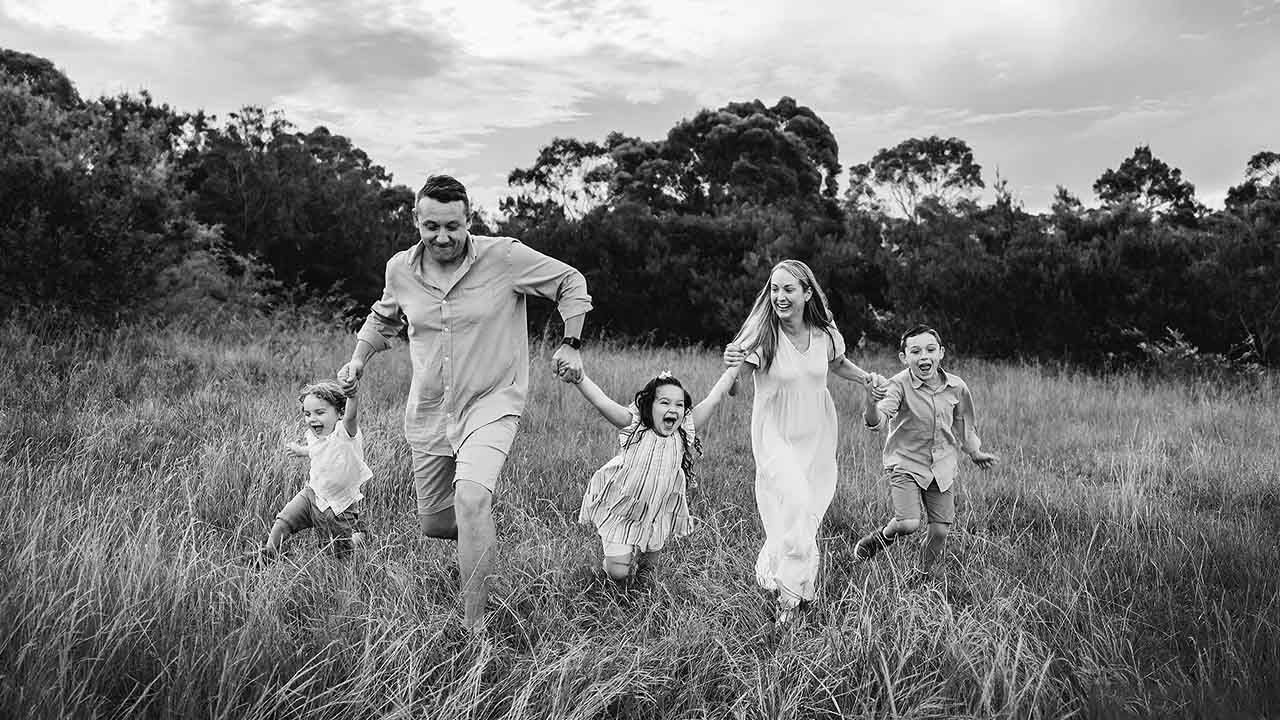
1120, 562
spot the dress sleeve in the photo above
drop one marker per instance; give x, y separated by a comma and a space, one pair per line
836, 344
625, 433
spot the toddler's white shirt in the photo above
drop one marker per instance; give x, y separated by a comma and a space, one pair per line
338, 468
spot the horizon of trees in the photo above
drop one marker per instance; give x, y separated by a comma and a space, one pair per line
118, 209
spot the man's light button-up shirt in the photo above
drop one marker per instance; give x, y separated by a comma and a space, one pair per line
477, 312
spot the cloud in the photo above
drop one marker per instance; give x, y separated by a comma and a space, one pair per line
119, 21
342, 45
211, 54
486, 82
1138, 119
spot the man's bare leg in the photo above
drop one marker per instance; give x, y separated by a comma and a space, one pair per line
440, 524
473, 505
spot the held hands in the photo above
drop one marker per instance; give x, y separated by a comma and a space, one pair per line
733, 355
876, 386
567, 365
984, 460
349, 376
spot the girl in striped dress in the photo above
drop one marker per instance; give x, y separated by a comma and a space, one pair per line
638, 500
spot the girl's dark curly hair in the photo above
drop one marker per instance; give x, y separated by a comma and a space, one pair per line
644, 404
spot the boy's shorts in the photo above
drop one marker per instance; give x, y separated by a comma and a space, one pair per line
301, 513
479, 460
912, 503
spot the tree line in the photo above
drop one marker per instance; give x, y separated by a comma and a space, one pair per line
120, 208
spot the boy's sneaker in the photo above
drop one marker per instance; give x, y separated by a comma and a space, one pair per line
867, 547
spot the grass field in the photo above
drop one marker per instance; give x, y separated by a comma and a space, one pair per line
1120, 562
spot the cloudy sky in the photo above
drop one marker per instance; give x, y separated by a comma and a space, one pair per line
1048, 92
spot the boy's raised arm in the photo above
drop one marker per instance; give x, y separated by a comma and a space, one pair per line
612, 411
703, 410
881, 402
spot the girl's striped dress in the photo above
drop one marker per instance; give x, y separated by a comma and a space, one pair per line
639, 497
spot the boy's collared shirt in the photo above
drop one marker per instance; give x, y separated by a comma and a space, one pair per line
927, 428
468, 336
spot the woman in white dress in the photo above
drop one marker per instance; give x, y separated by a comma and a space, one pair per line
790, 343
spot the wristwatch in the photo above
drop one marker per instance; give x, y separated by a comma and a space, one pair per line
573, 342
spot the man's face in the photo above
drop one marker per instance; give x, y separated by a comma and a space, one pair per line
443, 229
922, 354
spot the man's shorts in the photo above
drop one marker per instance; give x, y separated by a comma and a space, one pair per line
479, 460
912, 503
301, 513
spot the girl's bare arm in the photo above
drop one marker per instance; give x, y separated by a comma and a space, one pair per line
612, 411
718, 392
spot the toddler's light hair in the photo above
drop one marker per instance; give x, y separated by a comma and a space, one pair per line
328, 391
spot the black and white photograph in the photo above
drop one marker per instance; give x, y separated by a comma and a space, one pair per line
626, 360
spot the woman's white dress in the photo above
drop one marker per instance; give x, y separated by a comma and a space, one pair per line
793, 438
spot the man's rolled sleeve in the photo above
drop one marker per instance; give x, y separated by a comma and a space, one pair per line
533, 273
383, 322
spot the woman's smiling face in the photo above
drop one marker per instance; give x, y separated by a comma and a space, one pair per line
786, 295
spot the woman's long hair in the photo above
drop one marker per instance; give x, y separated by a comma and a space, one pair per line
644, 403
760, 330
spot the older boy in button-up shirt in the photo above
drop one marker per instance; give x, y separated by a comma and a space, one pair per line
930, 417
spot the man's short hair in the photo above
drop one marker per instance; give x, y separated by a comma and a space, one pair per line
914, 331
445, 189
